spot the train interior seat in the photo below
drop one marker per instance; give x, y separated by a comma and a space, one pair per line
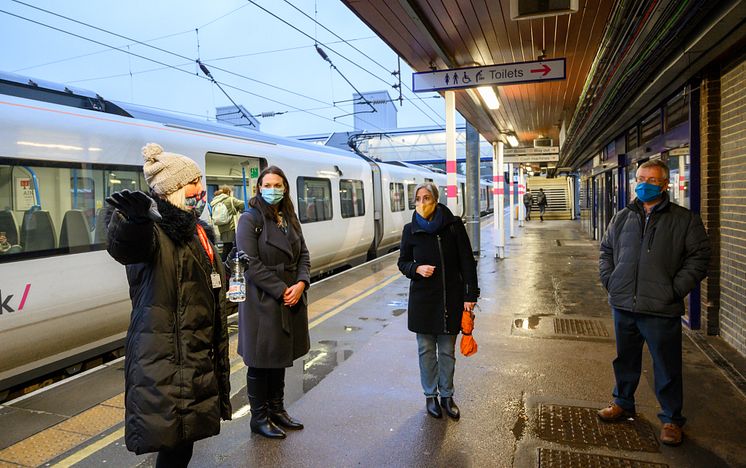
75, 231
8, 226
99, 236
37, 231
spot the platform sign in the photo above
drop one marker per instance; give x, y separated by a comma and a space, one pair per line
531, 158
490, 75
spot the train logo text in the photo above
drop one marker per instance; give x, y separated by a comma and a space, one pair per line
5, 300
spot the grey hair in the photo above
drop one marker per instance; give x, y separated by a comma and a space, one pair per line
655, 163
430, 187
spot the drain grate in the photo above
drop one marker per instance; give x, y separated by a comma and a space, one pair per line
563, 326
572, 425
559, 458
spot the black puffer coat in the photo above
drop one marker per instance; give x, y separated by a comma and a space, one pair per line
177, 371
437, 303
271, 335
650, 269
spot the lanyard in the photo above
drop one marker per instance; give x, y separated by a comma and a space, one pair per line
205, 243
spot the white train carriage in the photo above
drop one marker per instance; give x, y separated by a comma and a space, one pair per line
62, 152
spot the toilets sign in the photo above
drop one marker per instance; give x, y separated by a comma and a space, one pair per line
491, 75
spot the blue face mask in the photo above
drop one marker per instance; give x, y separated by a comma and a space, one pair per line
272, 196
647, 192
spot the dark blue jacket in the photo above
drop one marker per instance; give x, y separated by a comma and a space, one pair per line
650, 268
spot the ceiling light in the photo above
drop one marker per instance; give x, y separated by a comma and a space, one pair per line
489, 96
512, 141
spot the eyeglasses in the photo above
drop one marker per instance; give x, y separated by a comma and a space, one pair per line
649, 180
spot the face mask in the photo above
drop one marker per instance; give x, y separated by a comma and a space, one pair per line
426, 209
647, 192
272, 196
196, 203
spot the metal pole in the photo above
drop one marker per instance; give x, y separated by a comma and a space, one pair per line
498, 191
472, 187
451, 189
511, 192
521, 193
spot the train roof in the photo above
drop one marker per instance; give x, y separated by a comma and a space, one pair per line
56, 93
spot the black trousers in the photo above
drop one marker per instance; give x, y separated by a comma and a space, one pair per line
176, 457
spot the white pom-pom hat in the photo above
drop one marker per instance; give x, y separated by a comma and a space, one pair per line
165, 172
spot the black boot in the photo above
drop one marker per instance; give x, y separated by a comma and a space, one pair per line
256, 387
450, 406
431, 403
277, 413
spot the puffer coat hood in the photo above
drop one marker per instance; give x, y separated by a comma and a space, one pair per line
177, 384
650, 266
436, 303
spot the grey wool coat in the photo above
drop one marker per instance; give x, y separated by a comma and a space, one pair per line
271, 335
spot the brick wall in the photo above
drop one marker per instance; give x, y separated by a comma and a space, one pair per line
733, 206
710, 195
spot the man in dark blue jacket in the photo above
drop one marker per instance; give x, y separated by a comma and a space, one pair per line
653, 254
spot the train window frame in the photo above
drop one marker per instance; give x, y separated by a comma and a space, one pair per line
411, 196
303, 213
353, 185
399, 204
91, 170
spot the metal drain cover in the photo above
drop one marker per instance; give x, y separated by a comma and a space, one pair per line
559, 458
563, 326
577, 426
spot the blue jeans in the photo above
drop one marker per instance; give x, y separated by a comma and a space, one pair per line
663, 336
437, 365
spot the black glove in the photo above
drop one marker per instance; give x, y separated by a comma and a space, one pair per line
243, 259
135, 206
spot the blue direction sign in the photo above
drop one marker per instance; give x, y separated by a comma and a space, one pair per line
490, 75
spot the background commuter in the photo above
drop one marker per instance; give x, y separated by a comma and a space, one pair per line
4, 244
653, 254
528, 200
273, 321
177, 370
541, 202
225, 207
436, 255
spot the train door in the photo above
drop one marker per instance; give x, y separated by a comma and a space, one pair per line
240, 173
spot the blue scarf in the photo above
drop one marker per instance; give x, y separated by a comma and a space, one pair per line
430, 227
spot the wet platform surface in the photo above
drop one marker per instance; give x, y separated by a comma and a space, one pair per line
527, 398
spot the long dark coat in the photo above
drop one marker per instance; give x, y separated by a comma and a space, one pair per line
271, 335
650, 268
177, 385
437, 303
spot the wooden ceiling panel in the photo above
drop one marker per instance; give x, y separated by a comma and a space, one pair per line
458, 33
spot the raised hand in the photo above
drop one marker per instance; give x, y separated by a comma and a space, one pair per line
137, 207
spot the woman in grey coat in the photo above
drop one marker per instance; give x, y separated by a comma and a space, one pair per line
273, 321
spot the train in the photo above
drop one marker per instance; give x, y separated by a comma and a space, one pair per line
63, 150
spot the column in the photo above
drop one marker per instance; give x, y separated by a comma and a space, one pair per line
521, 193
498, 197
471, 197
451, 189
511, 201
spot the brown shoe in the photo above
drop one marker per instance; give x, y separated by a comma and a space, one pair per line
671, 434
613, 412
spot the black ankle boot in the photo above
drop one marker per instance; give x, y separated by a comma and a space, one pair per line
256, 388
279, 416
431, 403
450, 406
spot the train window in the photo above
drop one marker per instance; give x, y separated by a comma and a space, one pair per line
411, 195
314, 199
677, 110
442, 195
633, 138
396, 192
53, 208
650, 127
351, 198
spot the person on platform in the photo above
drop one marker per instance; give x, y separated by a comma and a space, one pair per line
436, 255
273, 320
541, 202
528, 200
653, 254
228, 207
177, 386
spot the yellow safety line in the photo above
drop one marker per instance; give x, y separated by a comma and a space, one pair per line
114, 436
91, 449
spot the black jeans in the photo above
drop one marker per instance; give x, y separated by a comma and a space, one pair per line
176, 457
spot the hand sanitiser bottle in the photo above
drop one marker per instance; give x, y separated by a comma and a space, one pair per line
237, 283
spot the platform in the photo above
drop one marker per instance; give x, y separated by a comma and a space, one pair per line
527, 397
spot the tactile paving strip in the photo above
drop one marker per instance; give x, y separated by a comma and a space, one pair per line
572, 425
559, 458
565, 326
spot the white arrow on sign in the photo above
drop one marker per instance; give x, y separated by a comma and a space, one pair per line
500, 75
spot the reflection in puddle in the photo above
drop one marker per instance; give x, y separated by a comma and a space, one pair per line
529, 323
349, 328
320, 362
398, 312
397, 304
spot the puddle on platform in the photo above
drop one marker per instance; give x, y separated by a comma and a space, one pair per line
397, 304
362, 318
530, 323
349, 328
398, 312
319, 362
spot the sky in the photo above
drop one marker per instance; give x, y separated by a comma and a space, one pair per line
261, 62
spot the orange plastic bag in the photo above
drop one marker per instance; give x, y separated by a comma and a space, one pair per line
468, 344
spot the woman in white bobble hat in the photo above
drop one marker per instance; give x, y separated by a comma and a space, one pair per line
176, 369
